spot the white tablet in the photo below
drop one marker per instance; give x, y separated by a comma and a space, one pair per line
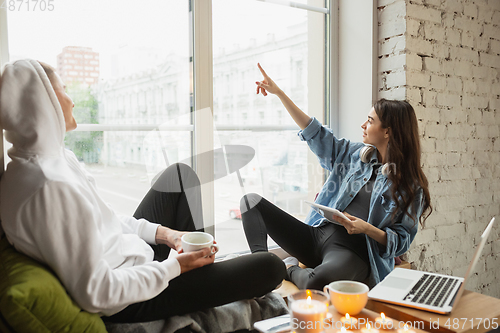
327, 212
274, 325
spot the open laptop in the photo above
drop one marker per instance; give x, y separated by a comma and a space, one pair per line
426, 291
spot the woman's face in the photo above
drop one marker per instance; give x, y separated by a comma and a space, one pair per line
66, 102
373, 133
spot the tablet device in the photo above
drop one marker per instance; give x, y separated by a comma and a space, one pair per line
327, 212
274, 325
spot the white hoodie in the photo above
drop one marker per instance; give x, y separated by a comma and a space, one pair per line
50, 209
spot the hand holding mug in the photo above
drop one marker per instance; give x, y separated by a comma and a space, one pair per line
194, 241
191, 260
170, 237
198, 249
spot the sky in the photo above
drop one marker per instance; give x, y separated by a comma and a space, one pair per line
102, 25
107, 25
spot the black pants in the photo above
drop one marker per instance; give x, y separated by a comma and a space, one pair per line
244, 277
321, 248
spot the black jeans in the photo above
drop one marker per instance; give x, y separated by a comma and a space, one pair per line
320, 248
243, 277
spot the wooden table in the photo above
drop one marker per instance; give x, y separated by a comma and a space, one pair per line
474, 313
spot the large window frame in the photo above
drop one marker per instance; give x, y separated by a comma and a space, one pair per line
202, 67
334, 99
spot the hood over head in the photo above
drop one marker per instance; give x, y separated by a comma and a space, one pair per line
30, 112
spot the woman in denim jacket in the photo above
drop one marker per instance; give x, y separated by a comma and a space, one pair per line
382, 191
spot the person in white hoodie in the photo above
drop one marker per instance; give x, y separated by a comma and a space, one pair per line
113, 265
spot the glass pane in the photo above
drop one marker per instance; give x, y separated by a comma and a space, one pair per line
125, 64
124, 163
278, 172
279, 38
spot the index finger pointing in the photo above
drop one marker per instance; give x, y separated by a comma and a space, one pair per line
262, 70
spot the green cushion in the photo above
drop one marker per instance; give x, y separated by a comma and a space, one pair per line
32, 299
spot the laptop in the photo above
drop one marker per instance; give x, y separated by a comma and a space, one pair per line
426, 291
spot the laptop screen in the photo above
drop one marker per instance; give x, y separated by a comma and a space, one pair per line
477, 254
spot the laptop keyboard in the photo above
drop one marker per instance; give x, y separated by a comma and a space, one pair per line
431, 290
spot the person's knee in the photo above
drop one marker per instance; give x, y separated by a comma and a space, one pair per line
188, 176
174, 178
276, 265
167, 180
184, 169
249, 201
271, 266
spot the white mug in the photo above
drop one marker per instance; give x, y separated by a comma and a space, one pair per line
194, 241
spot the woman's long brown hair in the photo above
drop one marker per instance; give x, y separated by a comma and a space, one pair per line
403, 155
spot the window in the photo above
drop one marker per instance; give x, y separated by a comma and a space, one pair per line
136, 88
282, 46
126, 60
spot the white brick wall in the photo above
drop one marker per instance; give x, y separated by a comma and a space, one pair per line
443, 56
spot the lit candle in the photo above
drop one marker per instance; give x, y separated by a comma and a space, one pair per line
308, 315
348, 321
344, 330
369, 329
406, 330
384, 322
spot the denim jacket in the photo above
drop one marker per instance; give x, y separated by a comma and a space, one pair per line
348, 174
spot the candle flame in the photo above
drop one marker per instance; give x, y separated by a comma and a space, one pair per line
308, 293
382, 315
347, 316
